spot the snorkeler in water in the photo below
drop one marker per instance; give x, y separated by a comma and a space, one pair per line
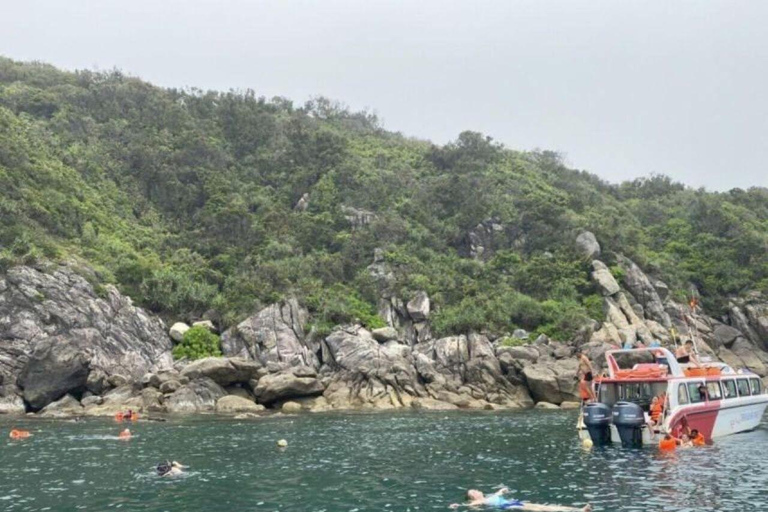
169, 469
498, 501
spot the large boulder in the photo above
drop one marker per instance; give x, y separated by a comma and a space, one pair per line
199, 395
91, 332
643, 290
11, 402
603, 278
177, 331
64, 407
286, 385
57, 366
384, 334
587, 244
275, 334
232, 404
123, 398
224, 371
553, 382
418, 307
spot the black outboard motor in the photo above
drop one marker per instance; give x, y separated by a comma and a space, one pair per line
597, 419
629, 421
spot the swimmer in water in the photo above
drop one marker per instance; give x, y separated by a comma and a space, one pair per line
125, 434
498, 501
169, 469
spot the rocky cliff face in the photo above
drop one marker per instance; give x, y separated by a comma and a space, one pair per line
639, 310
67, 350
57, 335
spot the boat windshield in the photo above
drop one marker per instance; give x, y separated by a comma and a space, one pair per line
640, 393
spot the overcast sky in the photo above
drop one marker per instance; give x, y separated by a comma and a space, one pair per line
622, 89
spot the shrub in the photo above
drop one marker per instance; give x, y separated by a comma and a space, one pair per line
198, 343
509, 341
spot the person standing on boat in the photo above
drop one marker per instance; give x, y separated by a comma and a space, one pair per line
685, 354
585, 376
585, 366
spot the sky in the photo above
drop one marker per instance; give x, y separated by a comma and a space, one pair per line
623, 89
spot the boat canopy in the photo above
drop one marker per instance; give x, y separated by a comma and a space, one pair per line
657, 363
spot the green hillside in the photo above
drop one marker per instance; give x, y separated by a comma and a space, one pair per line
187, 200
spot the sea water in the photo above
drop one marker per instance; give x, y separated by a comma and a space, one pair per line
355, 462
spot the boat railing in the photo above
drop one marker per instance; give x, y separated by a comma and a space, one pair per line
665, 364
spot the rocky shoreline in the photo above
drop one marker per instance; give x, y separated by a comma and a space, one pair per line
68, 348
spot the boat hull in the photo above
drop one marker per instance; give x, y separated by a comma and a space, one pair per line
713, 420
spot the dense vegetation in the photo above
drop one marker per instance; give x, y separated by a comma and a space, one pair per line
187, 200
198, 342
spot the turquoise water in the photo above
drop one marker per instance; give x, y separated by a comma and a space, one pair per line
366, 462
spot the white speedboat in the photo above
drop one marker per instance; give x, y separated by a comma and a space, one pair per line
712, 398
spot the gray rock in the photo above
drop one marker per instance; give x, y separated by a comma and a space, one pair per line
748, 353
604, 280
520, 334
91, 400
97, 382
64, 407
207, 324
291, 407
231, 404
642, 289
169, 386
224, 371
725, 335
152, 400
57, 306
242, 392
303, 203
384, 334
11, 404
282, 386
552, 382
430, 404
274, 334
199, 395
56, 367
177, 331
587, 245
546, 405
357, 217
418, 307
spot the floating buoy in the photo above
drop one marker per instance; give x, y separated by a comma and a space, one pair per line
282, 443
587, 443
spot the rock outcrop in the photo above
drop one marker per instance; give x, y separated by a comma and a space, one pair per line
274, 334
587, 244
56, 331
66, 350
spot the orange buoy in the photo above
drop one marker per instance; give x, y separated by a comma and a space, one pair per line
125, 434
19, 434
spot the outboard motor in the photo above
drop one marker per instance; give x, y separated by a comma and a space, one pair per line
597, 419
629, 420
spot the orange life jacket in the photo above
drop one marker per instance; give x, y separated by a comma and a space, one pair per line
667, 444
699, 440
584, 390
655, 412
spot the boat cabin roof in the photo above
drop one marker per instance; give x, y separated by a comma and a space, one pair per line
663, 368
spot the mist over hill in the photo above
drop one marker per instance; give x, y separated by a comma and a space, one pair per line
214, 204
